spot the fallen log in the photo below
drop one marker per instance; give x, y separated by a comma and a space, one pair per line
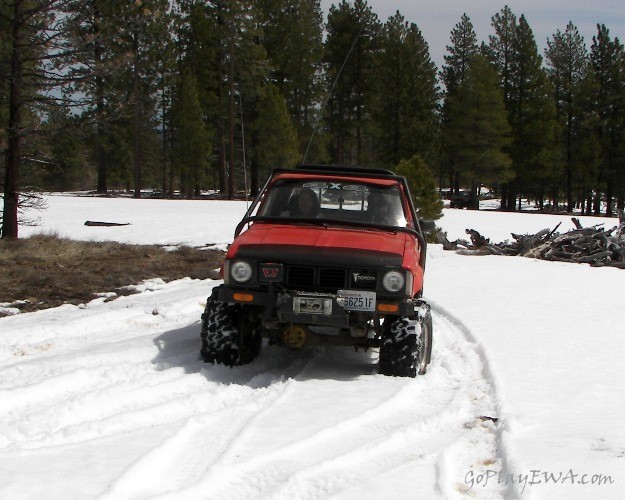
106, 224
596, 257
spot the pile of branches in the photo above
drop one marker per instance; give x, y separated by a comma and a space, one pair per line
585, 245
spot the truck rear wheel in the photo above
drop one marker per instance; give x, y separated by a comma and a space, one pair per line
406, 345
229, 334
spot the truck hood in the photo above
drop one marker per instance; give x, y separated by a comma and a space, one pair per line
319, 240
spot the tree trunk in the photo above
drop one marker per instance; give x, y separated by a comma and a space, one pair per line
171, 169
223, 171
11, 195
136, 170
541, 200
569, 163
222, 167
511, 194
474, 202
555, 204
100, 136
359, 51
231, 166
164, 140
597, 204
609, 196
102, 183
505, 187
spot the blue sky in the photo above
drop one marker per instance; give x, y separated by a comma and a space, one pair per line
436, 18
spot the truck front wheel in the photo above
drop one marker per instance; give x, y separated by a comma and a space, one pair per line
229, 334
406, 345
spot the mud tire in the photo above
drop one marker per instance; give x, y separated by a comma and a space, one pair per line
229, 334
406, 347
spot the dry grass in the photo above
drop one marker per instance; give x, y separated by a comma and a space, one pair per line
47, 271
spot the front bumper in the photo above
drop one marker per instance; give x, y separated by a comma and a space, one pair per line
285, 306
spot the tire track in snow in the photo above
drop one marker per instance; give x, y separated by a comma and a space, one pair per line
185, 456
506, 463
201, 440
68, 407
339, 427
316, 424
116, 397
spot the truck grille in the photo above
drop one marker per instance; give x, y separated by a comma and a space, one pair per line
313, 278
332, 278
300, 277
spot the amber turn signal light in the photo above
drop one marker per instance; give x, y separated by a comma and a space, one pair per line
388, 308
243, 297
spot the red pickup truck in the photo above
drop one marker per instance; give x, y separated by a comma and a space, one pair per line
325, 255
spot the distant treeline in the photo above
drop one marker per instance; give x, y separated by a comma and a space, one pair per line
181, 95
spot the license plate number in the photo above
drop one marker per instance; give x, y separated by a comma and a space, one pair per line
357, 300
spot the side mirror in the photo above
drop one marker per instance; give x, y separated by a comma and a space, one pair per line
427, 225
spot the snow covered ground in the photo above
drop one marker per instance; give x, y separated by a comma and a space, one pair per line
525, 396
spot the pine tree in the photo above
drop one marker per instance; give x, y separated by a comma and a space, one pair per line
166, 72
242, 71
5, 52
276, 138
252, 76
536, 161
608, 63
531, 110
125, 51
422, 187
406, 95
296, 65
350, 48
587, 147
568, 66
197, 46
93, 29
462, 49
145, 25
191, 139
35, 49
341, 31
477, 131
64, 151
200, 53
501, 50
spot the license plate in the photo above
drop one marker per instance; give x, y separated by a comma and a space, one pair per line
356, 300
312, 305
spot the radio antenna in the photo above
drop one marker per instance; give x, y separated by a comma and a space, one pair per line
330, 93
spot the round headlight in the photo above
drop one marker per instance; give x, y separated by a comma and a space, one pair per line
241, 271
393, 281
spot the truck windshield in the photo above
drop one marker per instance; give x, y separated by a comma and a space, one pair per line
336, 201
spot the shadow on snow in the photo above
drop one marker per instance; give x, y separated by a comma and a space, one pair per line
180, 348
